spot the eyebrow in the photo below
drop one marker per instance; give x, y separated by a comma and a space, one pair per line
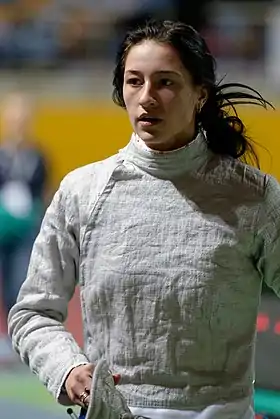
163, 72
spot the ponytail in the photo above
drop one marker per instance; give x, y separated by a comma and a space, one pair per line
226, 133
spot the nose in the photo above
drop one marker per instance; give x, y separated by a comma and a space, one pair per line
147, 96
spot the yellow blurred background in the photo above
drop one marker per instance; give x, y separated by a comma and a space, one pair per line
83, 132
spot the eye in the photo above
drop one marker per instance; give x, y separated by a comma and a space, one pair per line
166, 82
134, 81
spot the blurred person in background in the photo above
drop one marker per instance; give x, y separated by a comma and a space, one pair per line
23, 181
170, 240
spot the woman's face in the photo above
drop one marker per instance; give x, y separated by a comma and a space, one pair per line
160, 97
16, 117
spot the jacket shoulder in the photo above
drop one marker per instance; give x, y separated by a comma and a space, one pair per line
84, 180
80, 189
236, 173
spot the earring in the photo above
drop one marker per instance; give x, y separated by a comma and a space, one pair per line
199, 107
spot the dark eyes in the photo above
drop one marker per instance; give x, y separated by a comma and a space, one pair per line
135, 82
166, 82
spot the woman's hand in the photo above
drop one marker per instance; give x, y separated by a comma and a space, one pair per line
78, 384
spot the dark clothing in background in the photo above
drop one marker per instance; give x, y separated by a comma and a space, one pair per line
23, 177
27, 165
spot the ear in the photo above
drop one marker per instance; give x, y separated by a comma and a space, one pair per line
202, 96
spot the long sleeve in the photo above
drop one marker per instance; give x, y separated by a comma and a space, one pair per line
269, 233
36, 321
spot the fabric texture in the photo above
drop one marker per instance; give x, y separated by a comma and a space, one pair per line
170, 251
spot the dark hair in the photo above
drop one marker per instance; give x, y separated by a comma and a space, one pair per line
218, 117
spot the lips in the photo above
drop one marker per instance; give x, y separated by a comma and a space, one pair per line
147, 119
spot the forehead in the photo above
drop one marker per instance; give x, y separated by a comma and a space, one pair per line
150, 56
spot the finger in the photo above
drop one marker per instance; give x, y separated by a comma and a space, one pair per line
81, 380
84, 399
81, 399
81, 390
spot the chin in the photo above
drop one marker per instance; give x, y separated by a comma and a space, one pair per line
148, 137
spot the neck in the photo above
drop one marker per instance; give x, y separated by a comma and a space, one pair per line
167, 164
14, 141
